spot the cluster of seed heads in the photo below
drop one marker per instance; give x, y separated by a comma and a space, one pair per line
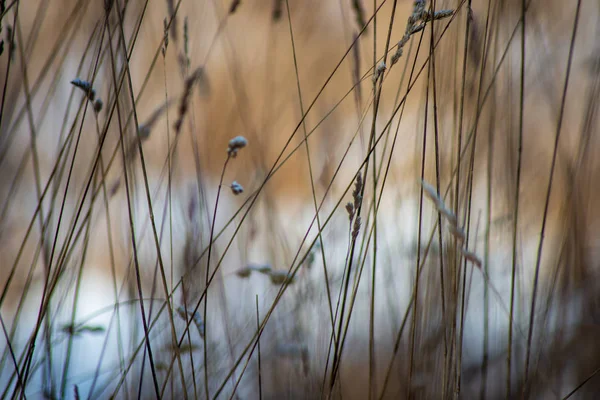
196, 319
90, 93
416, 23
276, 276
455, 230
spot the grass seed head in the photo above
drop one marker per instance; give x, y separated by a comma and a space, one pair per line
379, 70
359, 13
86, 87
356, 193
457, 232
277, 10
234, 6
472, 257
263, 269
280, 277
235, 144
356, 228
236, 188
98, 105
350, 209
244, 272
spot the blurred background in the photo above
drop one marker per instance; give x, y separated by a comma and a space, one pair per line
417, 217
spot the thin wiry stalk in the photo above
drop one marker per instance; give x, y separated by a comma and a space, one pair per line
415, 304
14, 186
516, 201
276, 163
437, 178
331, 340
37, 178
250, 201
148, 197
372, 388
258, 345
49, 285
470, 171
469, 17
206, 282
85, 247
547, 201
310, 170
75, 228
10, 55
12, 353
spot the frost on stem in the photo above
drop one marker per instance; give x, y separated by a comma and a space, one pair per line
235, 144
